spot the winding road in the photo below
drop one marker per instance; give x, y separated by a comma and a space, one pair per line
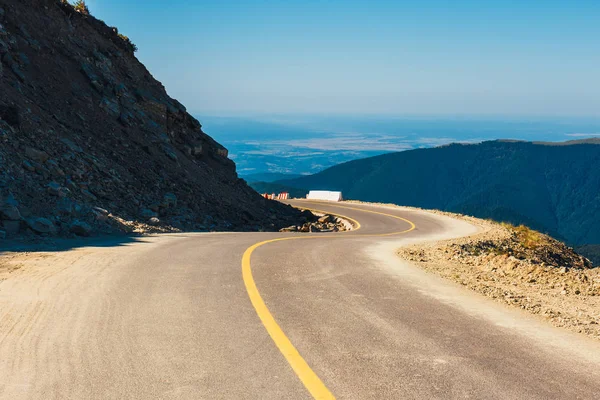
275, 316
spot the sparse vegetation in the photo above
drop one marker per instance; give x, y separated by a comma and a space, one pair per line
131, 45
529, 238
81, 7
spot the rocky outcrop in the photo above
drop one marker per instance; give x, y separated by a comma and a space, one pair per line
85, 127
320, 223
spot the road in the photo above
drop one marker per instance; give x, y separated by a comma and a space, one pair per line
250, 316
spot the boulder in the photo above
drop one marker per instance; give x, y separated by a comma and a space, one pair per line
153, 221
100, 210
80, 228
100, 214
36, 155
41, 225
305, 228
10, 212
54, 189
325, 219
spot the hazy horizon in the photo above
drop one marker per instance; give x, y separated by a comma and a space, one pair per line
304, 144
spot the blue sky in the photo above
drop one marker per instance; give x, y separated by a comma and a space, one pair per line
517, 58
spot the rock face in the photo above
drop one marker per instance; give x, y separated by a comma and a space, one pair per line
83, 124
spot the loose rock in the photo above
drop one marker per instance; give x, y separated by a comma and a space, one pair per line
41, 225
10, 212
80, 228
36, 155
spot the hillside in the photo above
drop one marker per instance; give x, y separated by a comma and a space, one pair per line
91, 142
551, 188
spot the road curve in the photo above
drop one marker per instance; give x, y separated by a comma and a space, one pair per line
337, 315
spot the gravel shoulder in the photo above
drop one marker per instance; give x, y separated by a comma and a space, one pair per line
518, 267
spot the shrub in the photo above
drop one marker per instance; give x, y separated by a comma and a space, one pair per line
529, 238
131, 45
81, 7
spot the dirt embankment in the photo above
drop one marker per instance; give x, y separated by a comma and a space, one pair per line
522, 268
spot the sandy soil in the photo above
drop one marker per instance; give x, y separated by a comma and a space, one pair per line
495, 262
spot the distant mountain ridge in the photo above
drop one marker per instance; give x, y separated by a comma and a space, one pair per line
552, 187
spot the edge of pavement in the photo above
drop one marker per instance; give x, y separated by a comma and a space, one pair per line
562, 342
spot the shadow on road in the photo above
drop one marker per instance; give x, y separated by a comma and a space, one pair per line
64, 244
59, 244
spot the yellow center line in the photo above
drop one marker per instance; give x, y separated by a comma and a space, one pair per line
412, 225
307, 376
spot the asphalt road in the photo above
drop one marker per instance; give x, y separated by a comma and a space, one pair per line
251, 316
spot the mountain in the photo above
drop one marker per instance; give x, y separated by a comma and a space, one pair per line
91, 142
552, 187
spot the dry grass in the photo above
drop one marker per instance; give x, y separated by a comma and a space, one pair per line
529, 238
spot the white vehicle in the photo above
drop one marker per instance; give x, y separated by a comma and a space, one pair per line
324, 195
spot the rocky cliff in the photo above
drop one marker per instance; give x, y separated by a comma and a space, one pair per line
91, 142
